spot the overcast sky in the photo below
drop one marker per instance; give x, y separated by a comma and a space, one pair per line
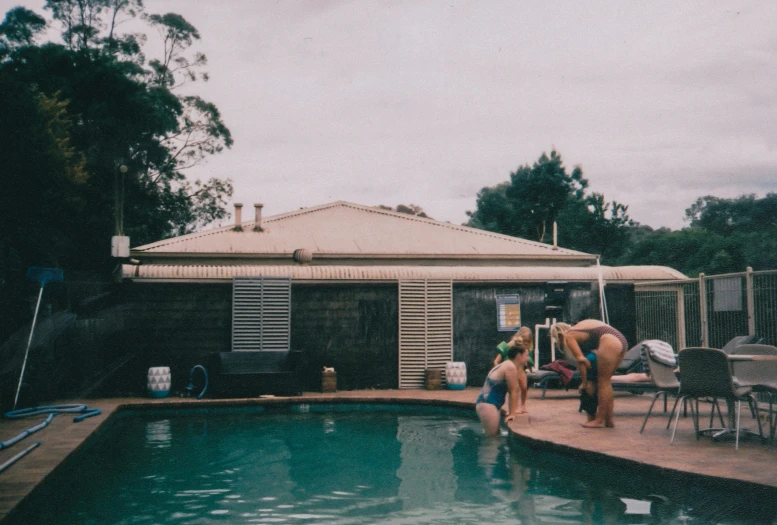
426, 102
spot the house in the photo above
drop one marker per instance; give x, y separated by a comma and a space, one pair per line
379, 295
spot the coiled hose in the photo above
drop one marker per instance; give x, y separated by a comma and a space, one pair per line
84, 410
190, 388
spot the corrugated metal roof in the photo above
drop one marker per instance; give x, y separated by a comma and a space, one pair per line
394, 273
344, 228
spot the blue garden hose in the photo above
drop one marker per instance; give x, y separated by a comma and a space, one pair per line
190, 388
51, 411
19, 456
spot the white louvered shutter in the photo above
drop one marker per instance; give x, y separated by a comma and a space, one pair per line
425, 329
261, 314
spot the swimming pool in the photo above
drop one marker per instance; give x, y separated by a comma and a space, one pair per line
354, 464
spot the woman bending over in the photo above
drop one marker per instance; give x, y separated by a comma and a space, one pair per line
592, 340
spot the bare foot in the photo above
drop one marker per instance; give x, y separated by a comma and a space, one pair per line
593, 424
522, 411
610, 424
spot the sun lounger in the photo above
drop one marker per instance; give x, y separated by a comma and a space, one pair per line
632, 362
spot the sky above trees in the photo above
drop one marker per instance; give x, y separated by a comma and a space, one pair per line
428, 102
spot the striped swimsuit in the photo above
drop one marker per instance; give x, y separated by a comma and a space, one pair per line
594, 334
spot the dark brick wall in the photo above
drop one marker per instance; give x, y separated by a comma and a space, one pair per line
622, 310
351, 327
177, 325
475, 329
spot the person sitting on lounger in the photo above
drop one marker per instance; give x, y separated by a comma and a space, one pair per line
594, 339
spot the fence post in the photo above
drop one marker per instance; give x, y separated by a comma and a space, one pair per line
680, 318
705, 336
750, 302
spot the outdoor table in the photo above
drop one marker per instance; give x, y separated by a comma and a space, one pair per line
747, 357
767, 387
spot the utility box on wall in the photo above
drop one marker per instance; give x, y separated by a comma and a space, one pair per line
120, 246
556, 295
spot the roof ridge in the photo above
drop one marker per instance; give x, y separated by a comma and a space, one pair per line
427, 220
369, 209
456, 227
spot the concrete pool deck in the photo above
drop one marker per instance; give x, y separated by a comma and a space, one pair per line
553, 423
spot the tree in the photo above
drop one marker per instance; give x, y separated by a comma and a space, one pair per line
596, 226
127, 116
19, 28
744, 214
76, 111
410, 209
528, 205
535, 197
43, 182
724, 236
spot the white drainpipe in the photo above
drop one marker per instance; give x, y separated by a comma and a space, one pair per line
547, 325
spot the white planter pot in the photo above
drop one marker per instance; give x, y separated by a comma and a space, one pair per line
159, 381
456, 375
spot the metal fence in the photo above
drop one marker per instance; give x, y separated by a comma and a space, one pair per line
709, 311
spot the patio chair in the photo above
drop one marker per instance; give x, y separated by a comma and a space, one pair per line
760, 375
706, 373
740, 340
664, 380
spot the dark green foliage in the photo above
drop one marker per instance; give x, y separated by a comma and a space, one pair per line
73, 114
725, 235
19, 28
535, 197
410, 209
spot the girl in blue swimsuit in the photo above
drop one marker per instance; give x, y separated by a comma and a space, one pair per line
505, 379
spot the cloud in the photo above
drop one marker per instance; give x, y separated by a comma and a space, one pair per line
388, 102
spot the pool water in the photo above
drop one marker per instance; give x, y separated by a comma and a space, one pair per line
326, 465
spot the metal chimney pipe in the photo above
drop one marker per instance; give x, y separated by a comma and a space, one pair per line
258, 214
238, 217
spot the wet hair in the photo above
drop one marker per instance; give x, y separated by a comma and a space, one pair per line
515, 349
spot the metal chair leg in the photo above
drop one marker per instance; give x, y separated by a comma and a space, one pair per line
739, 407
754, 409
655, 396
720, 412
674, 408
676, 419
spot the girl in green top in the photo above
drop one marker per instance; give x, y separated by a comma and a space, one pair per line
524, 336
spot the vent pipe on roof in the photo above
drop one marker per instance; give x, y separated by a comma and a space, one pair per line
302, 256
258, 213
555, 235
238, 217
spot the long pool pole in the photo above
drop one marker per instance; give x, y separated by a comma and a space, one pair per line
29, 342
